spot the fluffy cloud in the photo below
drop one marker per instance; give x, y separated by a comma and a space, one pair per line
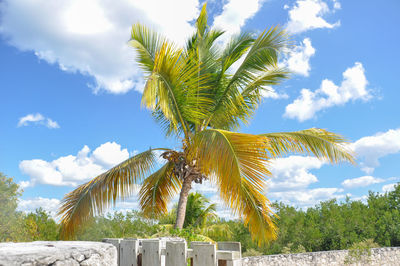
362, 181
90, 37
389, 187
309, 14
353, 87
371, 148
307, 197
235, 14
37, 119
72, 170
299, 58
291, 178
292, 173
30, 205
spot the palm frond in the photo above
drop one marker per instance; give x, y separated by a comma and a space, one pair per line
174, 90
319, 142
146, 43
236, 162
93, 197
260, 56
235, 49
157, 190
201, 22
267, 77
207, 214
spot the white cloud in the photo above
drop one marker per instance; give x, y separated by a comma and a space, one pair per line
298, 60
371, 148
306, 197
389, 187
30, 205
270, 92
205, 188
291, 180
362, 181
309, 14
72, 170
37, 119
109, 154
90, 37
234, 15
353, 87
293, 172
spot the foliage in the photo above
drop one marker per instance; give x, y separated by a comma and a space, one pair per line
197, 211
290, 249
9, 218
40, 226
360, 252
329, 225
119, 225
251, 253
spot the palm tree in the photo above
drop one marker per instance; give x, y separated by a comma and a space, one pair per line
197, 211
198, 95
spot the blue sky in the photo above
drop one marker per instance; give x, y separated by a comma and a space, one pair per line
71, 91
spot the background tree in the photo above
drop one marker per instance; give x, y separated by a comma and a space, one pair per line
197, 95
41, 226
9, 217
197, 211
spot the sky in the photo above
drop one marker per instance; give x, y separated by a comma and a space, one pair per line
71, 91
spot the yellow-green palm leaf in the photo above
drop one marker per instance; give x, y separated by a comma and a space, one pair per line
93, 197
319, 142
157, 190
174, 90
237, 163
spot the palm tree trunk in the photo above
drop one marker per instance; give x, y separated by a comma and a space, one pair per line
183, 197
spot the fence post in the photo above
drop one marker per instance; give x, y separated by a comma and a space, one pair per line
236, 249
151, 253
115, 242
128, 252
175, 253
204, 254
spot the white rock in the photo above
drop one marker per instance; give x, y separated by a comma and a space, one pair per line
59, 253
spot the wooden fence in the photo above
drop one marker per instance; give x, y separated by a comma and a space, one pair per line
161, 252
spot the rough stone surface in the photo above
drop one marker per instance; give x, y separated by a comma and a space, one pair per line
379, 257
58, 253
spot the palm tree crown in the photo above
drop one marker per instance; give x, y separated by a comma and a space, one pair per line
202, 93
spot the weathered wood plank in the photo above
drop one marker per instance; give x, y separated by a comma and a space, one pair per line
129, 249
204, 254
151, 253
176, 254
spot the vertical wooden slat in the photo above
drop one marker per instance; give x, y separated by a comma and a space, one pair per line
151, 253
129, 249
236, 248
175, 253
204, 254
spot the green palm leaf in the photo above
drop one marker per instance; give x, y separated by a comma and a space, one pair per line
146, 43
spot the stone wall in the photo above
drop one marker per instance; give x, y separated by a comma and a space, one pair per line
379, 257
57, 253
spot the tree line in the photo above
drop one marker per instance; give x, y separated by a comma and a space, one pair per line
329, 225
